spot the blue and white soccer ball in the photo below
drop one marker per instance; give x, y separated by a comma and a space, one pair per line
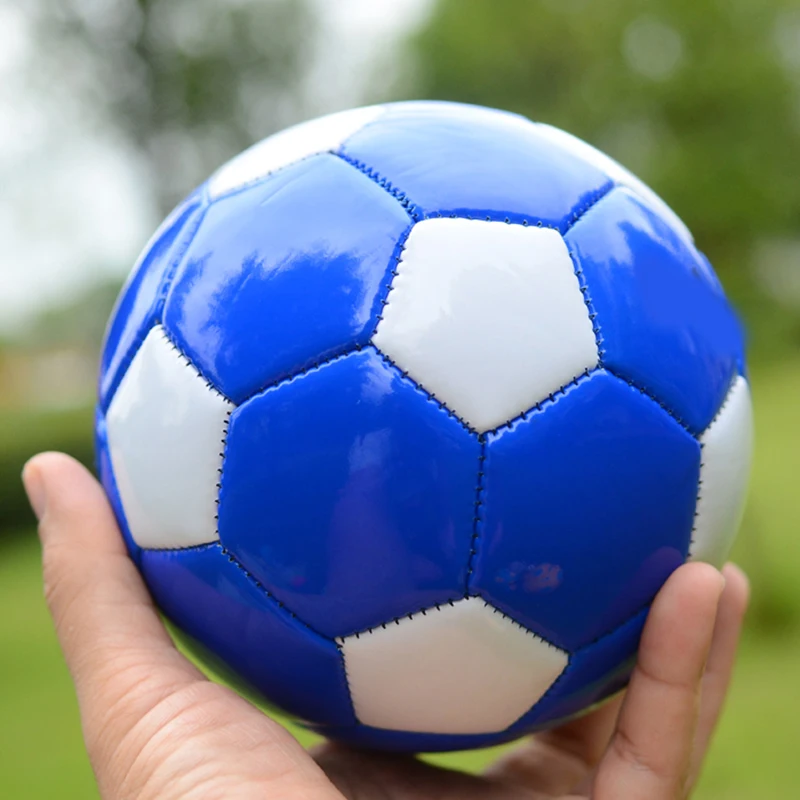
409, 411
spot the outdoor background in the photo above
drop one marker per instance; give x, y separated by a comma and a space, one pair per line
111, 110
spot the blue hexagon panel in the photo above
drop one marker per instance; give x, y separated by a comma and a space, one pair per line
447, 158
141, 301
213, 599
587, 506
285, 274
663, 320
350, 494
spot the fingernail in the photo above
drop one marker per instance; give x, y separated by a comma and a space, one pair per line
35, 489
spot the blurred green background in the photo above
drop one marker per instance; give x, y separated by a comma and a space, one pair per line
110, 111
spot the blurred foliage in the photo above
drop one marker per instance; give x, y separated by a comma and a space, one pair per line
25, 433
188, 82
80, 322
701, 98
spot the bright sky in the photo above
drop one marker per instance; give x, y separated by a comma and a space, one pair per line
71, 194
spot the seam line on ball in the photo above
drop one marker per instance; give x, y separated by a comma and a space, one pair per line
596, 198
588, 302
378, 118
156, 310
722, 408
191, 365
226, 425
340, 640
477, 519
568, 669
317, 365
231, 557
239, 189
405, 201
284, 608
397, 257
396, 620
359, 348
552, 398
423, 391
348, 684
650, 396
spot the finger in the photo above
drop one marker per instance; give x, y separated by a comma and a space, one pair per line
649, 754
149, 716
719, 669
556, 761
101, 609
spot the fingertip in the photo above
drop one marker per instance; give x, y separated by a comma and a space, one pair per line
736, 576
35, 487
683, 614
698, 579
68, 501
40, 477
45, 473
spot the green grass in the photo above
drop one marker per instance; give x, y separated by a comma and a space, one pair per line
41, 753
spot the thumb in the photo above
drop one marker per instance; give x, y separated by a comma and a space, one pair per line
121, 658
154, 726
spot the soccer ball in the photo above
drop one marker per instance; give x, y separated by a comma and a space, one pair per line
409, 411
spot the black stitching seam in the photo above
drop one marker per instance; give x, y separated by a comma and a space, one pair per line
477, 518
240, 188
587, 299
359, 348
396, 620
160, 299
189, 363
548, 401
519, 625
389, 285
235, 561
301, 373
226, 425
340, 640
579, 274
261, 178
722, 408
563, 227
567, 671
646, 393
422, 390
579, 213
399, 195
252, 578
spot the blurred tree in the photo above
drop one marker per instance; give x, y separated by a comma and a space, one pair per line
701, 99
188, 82
79, 322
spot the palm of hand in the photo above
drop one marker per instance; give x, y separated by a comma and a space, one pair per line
156, 728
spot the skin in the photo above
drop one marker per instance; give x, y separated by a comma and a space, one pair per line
155, 727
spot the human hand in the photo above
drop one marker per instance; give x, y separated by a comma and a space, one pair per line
155, 727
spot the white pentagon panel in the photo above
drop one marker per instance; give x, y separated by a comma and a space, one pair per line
293, 144
460, 668
724, 474
617, 173
488, 317
166, 428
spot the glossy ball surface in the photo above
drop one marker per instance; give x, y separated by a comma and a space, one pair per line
408, 413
